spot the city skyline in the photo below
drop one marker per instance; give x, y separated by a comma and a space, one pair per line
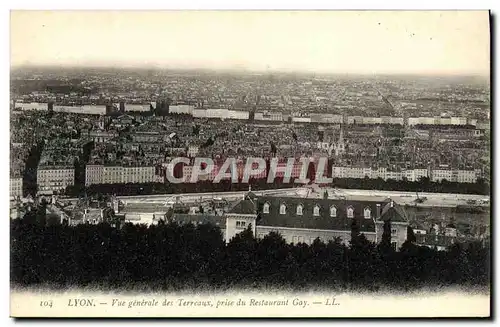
370, 42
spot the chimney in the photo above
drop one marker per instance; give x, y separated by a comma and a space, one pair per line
378, 210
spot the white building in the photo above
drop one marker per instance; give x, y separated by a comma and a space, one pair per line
457, 121
269, 116
238, 114
460, 176
181, 109
420, 173
100, 174
363, 172
381, 172
466, 176
138, 174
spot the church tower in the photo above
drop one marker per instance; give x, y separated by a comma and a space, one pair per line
340, 146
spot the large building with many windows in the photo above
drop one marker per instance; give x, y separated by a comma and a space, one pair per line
454, 175
412, 175
296, 219
302, 220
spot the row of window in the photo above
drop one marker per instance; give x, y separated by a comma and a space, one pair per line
367, 213
56, 174
55, 183
54, 180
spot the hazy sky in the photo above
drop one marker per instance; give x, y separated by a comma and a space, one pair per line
450, 42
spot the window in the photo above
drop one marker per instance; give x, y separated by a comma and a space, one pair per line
265, 209
350, 212
316, 210
282, 209
299, 210
394, 231
367, 213
240, 224
333, 211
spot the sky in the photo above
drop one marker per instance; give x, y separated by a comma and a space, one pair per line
364, 42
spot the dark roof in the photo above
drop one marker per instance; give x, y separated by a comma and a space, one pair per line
244, 207
250, 196
219, 221
308, 220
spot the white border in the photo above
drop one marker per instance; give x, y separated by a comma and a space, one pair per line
256, 4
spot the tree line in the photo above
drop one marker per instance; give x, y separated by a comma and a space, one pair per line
169, 256
168, 188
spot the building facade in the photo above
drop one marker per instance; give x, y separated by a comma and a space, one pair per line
454, 175
101, 174
302, 220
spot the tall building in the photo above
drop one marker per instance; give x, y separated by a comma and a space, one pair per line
16, 187
122, 107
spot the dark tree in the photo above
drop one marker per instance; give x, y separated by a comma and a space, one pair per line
355, 234
410, 235
311, 172
173, 256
